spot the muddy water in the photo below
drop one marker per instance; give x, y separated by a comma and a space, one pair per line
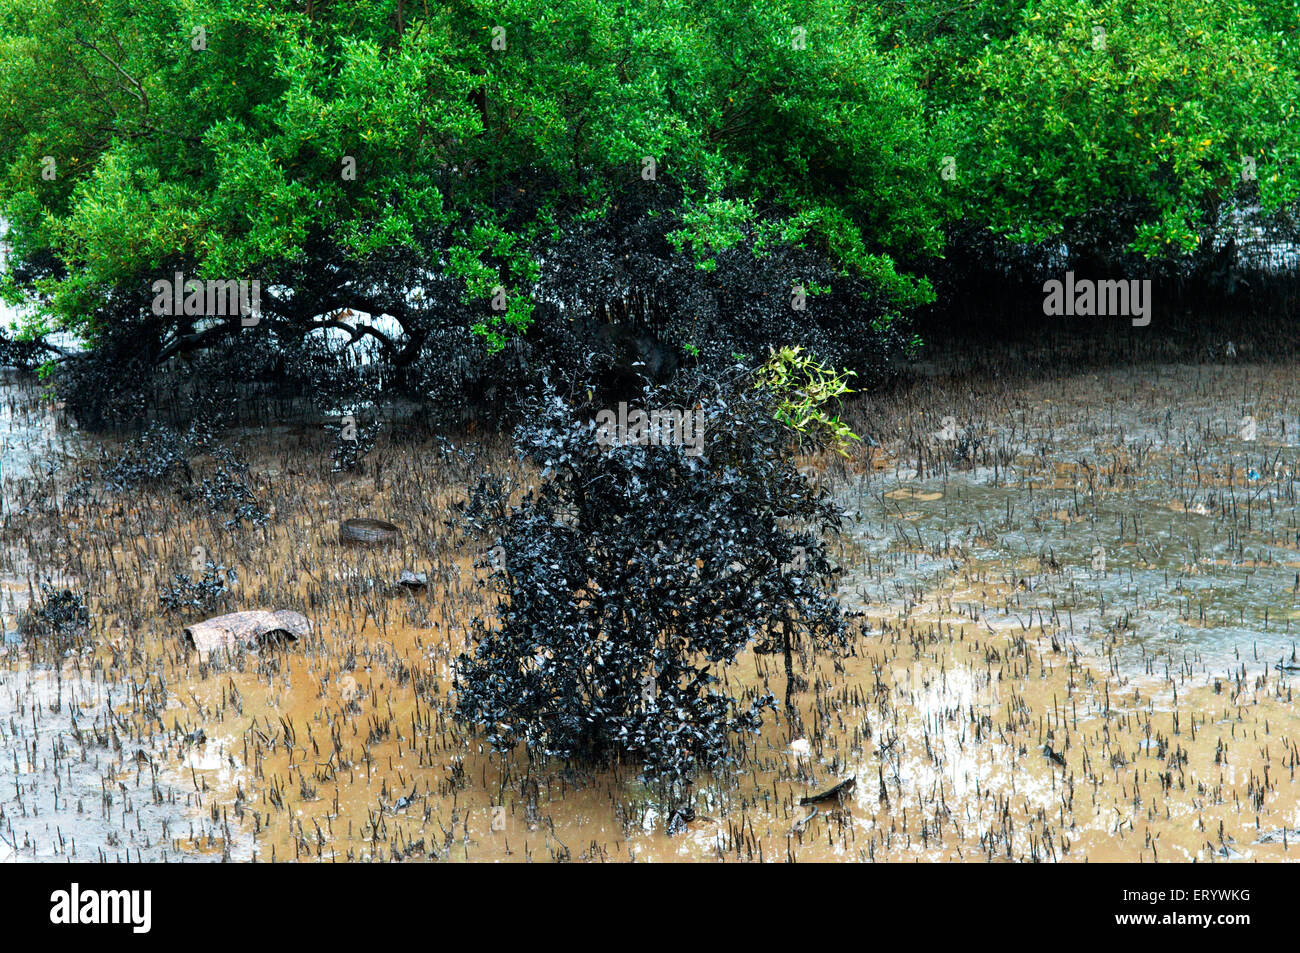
77, 780
988, 628
1151, 517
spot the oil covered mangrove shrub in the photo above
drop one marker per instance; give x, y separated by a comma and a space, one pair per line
159, 456
109, 386
162, 459
227, 491
351, 444
16, 352
57, 625
645, 560
199, 595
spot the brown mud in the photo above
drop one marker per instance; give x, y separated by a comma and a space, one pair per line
986, 632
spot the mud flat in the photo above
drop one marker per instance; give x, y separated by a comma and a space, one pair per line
987, 631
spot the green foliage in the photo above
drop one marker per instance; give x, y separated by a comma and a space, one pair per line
296, 142
1116, 124
803, 388
230, 158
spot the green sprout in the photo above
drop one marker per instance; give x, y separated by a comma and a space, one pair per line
803, 387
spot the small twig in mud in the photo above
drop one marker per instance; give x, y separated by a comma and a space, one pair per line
802, 825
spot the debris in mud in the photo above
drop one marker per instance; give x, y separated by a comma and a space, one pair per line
350, 692
368, 531
227, 632
678, 820
413, 580
801, 825
1282, 835
837, 793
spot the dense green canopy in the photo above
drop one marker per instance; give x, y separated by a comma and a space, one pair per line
462, 133
1118, 123
423, 159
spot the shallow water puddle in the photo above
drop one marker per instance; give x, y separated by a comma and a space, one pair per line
76, 784
1163, 524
